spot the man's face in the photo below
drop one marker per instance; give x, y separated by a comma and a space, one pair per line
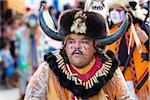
117, 15
80, 50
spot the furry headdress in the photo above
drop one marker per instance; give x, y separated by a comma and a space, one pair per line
82, 22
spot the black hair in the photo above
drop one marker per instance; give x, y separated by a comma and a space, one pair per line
43, 1
3, 42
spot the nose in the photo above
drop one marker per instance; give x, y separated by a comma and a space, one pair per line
77, 45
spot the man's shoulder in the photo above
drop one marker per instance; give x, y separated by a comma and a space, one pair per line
43, 72
44, 66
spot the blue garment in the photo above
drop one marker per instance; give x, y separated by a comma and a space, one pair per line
23, 46
34, 52
8, 60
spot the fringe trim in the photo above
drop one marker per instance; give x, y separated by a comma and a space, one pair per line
144, 92
113, 84
55, 61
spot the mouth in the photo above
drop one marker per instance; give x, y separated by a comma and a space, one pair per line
76, 56
77, 53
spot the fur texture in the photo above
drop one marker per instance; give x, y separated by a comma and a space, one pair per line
79, 90
95, 24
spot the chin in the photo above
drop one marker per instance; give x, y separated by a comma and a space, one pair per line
79, 67
77, 64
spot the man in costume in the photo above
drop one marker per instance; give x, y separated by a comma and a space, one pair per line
131, 52
81, 69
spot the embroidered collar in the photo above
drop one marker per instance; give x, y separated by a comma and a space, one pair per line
85, 85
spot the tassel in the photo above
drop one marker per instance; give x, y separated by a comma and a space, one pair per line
90, 86
61, 65
108, 66
108, 63
137, 41
60, 61
86, 85
68, 76
95, 79
130, 41
66, 72
92, 83
100, 73
104, 73
64, 69
83, 83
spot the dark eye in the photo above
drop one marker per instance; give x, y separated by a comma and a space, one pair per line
85, 42
70, 41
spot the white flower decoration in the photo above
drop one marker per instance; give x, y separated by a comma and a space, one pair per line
79, 23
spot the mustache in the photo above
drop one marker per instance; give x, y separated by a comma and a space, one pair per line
77, 52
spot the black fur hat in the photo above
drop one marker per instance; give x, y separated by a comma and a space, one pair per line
94, 27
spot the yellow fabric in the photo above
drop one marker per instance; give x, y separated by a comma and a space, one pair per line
114, 87
56, 92
86, 68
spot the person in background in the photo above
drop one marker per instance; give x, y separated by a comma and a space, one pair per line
52, 12
42, 2
129, 50
81, 69
8, 62
28, 49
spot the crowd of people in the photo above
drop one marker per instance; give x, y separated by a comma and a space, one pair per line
30, 57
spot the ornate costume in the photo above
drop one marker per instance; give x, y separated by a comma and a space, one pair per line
58, 79
136, 70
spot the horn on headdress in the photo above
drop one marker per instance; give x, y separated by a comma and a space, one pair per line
116, 35
47, 29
